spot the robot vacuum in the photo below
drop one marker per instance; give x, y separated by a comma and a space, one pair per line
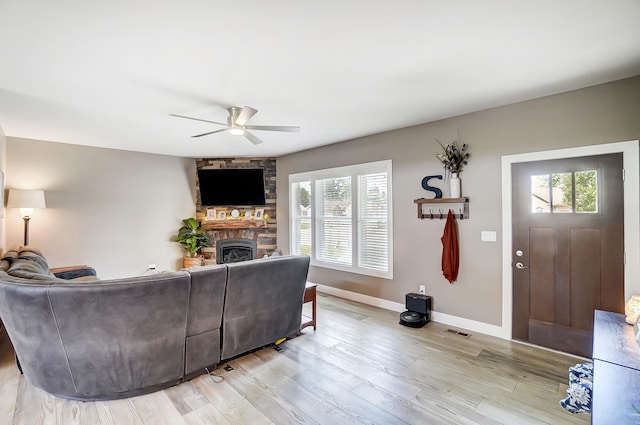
418, 311
413, 319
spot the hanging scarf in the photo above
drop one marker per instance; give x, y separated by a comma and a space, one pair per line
450, 252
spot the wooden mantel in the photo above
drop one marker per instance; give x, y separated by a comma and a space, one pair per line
233, 224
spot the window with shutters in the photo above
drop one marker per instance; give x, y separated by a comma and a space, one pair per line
341, 218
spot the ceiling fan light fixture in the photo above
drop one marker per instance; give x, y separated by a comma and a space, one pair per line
236, 121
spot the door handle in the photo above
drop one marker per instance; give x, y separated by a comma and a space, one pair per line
521, 266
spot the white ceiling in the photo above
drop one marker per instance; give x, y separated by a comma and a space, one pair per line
109, 73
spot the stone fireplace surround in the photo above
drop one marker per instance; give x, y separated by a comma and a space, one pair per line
265, 237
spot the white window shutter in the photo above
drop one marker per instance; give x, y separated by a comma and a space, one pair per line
334, 227
373, 222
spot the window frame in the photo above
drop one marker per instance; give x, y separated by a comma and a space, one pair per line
352, 171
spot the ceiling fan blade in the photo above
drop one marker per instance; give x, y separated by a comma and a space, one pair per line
197, 119
245, 115
252, 138
210, 132
291, 129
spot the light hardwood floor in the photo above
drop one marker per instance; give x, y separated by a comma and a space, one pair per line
359, 367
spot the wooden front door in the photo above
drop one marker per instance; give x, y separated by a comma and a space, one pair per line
568, 249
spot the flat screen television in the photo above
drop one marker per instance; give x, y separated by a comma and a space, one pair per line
232, 186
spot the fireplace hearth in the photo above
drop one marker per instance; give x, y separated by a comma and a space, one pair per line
235, 250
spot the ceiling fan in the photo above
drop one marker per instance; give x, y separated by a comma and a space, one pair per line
237, 124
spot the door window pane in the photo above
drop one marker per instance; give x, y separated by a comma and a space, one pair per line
540, 194
587, 191
562, 193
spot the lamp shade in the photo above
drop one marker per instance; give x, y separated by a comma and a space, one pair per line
26, 199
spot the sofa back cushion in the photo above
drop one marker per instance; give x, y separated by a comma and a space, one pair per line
31, 264
101, 340
206, 302
263, 302
29, 322
9, 257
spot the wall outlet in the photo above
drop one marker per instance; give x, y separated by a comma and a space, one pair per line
423, 289
152, 266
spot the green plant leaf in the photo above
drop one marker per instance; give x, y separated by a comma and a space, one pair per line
192, 236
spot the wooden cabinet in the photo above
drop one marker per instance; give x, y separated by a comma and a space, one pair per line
616, 371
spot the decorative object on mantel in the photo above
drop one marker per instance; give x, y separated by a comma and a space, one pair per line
450, 252
453, 158
193, 237
436, 191
632, 309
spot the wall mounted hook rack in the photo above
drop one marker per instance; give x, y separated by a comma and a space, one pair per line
463, 212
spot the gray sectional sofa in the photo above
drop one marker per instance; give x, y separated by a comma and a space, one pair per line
110, 339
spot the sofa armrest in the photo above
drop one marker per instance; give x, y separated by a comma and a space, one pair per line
74, 272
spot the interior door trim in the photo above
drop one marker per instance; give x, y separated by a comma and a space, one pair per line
631, 163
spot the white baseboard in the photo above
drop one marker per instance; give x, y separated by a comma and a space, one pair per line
365, 299
446, 319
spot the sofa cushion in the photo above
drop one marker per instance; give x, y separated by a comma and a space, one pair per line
208, 284
27, 269
121, 334
30, 264
205, 316
75, 273
263, 302
35, 255
9, 257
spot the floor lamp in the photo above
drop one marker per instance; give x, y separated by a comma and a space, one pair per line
26, 200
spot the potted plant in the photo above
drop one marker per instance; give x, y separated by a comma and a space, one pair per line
193, 238
453, 158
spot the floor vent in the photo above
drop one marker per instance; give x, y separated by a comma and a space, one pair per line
464, 334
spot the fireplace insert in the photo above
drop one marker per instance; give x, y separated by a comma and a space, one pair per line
235, 250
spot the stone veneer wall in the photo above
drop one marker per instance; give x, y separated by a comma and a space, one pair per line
265, 237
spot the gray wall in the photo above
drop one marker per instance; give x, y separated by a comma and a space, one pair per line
3, 167
600, 114
114, 210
